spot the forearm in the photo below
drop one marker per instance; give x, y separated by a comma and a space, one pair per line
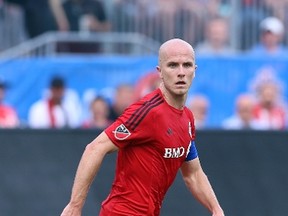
59, 14
86, 171
202, 190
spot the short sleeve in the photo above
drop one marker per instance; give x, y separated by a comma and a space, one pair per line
131, 128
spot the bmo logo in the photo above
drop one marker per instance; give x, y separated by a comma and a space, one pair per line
174, 152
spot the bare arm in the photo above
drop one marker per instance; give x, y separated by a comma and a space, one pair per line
59, 14
199, 185
87, 169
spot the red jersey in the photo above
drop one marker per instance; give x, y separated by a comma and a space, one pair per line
8, 117
154, 140
273, 119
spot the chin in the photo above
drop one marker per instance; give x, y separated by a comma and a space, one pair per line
180, 92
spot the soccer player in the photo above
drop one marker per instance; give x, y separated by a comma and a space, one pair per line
154, 137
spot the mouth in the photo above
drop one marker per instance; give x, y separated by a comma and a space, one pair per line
180, 83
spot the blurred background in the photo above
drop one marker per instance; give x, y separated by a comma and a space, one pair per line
68, 68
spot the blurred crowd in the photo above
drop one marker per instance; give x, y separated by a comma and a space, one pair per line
60, 106
213, 27
261, 107
217, 26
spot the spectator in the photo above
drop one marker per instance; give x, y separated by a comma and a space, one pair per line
189, 13
216, 38
269, 109
55, 111
199, 105
124, 97
272, 32
243, 117
279, 9
147, 84
85, 16
41, 16
251, 12
99, 109
8, 115
166, 18
216, 41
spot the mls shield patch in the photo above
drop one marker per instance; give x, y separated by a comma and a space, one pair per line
121, 132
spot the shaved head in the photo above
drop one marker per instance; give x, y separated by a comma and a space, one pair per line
176, 67
175, 45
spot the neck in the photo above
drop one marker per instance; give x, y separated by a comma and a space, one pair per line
176, 101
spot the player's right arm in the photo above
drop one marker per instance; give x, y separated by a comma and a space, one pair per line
87, 169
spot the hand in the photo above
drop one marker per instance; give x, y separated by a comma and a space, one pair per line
70, 210
63, 26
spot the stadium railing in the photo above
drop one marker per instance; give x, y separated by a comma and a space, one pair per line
110, 42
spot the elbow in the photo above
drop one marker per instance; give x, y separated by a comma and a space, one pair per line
94, 148
99, 147
91, 146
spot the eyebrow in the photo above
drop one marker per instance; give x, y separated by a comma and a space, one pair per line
172, 62
189, 62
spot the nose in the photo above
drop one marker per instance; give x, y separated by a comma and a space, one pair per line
181, 72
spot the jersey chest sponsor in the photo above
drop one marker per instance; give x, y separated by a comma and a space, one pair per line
177, 152
174, 152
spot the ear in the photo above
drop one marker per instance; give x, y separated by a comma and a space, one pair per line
195, 71
159, 71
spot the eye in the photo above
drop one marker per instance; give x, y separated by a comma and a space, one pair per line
188, 65
172, 64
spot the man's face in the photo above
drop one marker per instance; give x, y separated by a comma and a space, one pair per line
57, 94
268, 94
124, 97
217, 33
177, 69
270, 39
245, 110
99, 109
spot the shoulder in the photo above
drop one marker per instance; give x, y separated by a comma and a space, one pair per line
151, 100
189, 113
143, 109
40, 104
152, 95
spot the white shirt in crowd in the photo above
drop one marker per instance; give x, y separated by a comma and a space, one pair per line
68, 114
